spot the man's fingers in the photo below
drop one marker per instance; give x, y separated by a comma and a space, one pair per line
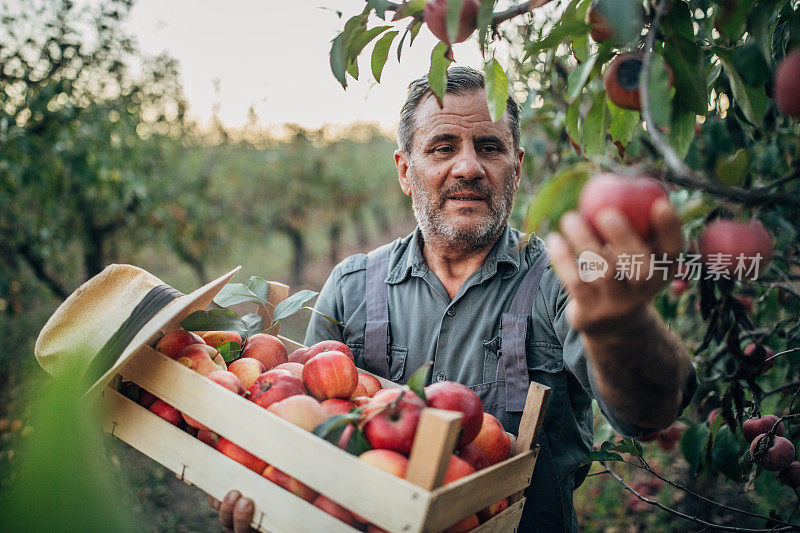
618, 232
243, 515
667, 233
226, 509
577, 233
565, 266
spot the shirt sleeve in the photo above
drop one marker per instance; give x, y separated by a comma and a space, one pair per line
576, 361
330, 304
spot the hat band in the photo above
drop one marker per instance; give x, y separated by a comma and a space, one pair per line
153, 302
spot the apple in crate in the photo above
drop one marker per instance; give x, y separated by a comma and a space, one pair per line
300, 410
370, 383
474, 456
457, 397
336, 510
294, 368
391, 461
216, 338
166, 411
327, 346
298, 356
266, 348
173, 342
391, 421
337, 406
330, 375
198, 356
209, 437
493, 440
289, 483
240, 455
273, 386
247, 370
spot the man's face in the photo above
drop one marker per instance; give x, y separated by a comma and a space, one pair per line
462, 172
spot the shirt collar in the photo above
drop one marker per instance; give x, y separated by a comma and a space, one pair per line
408, 259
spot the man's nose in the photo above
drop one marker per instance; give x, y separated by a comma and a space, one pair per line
468, 165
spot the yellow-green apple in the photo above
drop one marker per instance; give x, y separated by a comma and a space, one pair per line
192, 356
391, 420
208, 436
240, 455
273, 386
176, 340
755, 426
300, 410
227, 380
724, 243
336, 510
389, 460
166, 411
773, 457
474, 456
247, 370
289, 483
371, 383
215, 338
493, 440
494, 509
633, 197
294, 368
435, 16
337, 406
330, 375
457, 397
297, 356
327, 346
266, 348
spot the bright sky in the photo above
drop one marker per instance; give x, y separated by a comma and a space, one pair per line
275, 55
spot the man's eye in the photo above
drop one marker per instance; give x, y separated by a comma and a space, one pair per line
443, 149
491, 148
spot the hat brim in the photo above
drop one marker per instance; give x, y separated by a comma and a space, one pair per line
167, 319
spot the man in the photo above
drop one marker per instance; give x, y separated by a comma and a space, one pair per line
478, 300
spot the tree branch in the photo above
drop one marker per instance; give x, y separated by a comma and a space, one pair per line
36, 264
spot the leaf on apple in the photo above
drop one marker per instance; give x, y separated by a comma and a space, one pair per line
358, 443
215, 320
230, 351
418, 380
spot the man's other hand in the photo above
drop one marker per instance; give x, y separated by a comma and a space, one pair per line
235, 512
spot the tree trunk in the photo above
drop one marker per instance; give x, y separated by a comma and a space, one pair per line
37, 265
334, 242
299, 255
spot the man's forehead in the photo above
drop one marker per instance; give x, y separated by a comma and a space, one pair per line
461, 112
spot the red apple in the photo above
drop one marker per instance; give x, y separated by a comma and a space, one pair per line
273, 386
216, 338
761, 353
337, 406
289, 483
197, 357
633, 197
790, 475
240, 455
330, 375
466, 524
393, 462
300, 410
298, 356
166, 411
669, 437
359, 391
474, 456
457, 397
146, 398
327, 346
755, 426
360, 401
777, 457
724, 241
678, 287
295, 368
456, 469
334, 509
435, 16
622, 80
371, 384
391, 421
173, 342
493, 510
209, 437
601, 29
787, 85
247, 370
267, 349
493, 440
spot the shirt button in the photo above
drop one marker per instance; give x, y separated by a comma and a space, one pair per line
440, 376
450, 311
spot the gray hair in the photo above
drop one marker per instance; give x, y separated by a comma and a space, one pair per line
460, 80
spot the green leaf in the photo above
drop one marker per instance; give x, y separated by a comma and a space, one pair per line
762, 22
215, 320
580, 47
731, 18
750, 100
357, 443
485, 13
726, 452
292, 304
380, 7
411, 8
453, 18
437, 75
362, 39
418, 380
602, 455
414, 31
337, 422
230, 351
627, 445
659, 91
685, 57
623, 123
681, 131
595, 126
562, 30
750, 64
380, 53
236, 293
254, 322
692, 444
557, 195
339, 58
326, 317
732, 169
578, 78
572, 119
259, 286
496, 89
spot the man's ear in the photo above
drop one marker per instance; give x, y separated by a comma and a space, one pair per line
402, 163
518, 167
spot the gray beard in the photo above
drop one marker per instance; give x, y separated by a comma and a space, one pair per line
435, 226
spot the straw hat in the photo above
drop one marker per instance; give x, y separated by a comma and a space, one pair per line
99, 327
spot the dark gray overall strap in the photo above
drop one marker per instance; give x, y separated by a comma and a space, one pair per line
376, 335
513, 332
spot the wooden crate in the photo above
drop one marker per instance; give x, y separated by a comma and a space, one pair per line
417, 503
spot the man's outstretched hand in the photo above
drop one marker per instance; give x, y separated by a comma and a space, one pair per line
235, 512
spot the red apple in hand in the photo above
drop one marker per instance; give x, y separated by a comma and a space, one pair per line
327, 346
330, 375
273, 386
457, 397
247, 370
267, 349
391, 421
173, 342
633, 197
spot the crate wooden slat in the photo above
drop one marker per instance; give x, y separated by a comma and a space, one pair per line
508, 520
199, 464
